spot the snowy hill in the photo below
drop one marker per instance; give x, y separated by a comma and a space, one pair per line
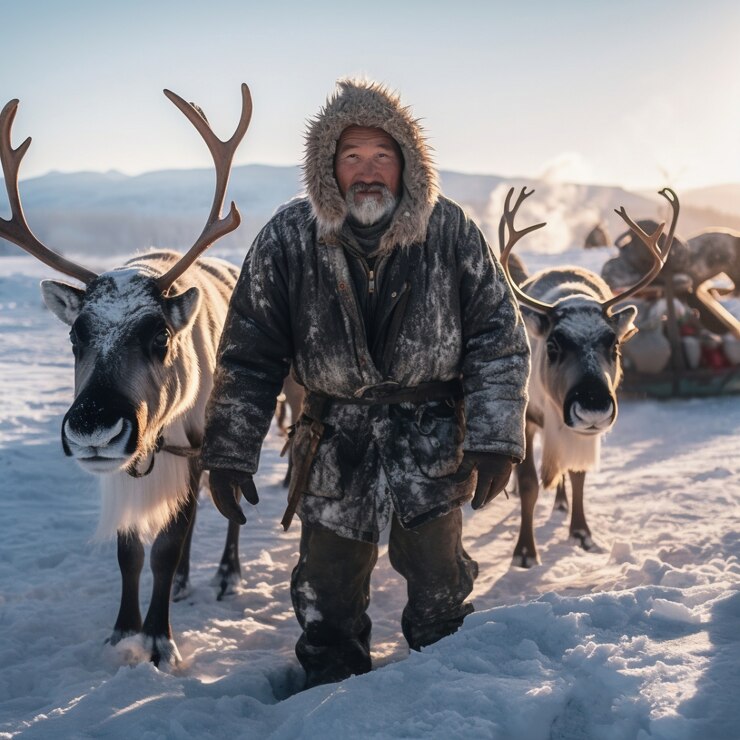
99, 214
109, 213
638, 639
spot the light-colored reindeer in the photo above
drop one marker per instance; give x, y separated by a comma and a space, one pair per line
144, 337
576, 335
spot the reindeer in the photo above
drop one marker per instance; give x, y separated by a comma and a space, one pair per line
597, 237
576, 336
714, 251
144, 338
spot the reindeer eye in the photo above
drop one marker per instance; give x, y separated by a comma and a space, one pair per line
553, 350
78, 334
609, 345
161, 339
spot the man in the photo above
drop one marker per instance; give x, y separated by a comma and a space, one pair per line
395, 316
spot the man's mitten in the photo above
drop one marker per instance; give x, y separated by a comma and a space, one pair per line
494, 471
226, 487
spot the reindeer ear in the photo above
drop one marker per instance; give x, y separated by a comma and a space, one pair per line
182, 309
623, 323
62, 299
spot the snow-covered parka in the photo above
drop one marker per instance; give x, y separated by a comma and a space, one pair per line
444, 312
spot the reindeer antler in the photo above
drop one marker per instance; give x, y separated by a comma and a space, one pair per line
16, 229
223, 154
507, 220
651, 242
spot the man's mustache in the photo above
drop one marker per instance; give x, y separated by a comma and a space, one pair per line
368, 187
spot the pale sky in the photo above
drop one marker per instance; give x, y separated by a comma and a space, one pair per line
639, 94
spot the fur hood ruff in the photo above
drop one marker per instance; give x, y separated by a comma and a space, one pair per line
366, 103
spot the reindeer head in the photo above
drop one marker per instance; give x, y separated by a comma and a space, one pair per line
135, 368
576, 349
576, 333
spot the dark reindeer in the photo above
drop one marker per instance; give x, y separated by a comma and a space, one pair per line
144, 338
713, 251
576, 336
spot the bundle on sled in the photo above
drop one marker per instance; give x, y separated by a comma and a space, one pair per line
689, 341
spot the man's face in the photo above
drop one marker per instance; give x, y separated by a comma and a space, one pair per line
368, 169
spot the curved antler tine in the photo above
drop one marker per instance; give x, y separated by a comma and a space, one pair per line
651, 242
223, 155
246, 116
11, 158
672, 198
16, 229
501, 237
200, 122
507, 220
522, 197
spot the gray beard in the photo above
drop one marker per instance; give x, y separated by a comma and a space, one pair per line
370, 210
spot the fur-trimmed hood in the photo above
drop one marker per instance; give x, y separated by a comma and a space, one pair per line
366, 103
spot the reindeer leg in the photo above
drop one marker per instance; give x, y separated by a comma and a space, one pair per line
289, 471
229, 571
164, 558
579, 530
130, 563
525, 552
561, 496
181, 585
281, 412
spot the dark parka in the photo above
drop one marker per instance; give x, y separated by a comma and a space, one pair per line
443, 311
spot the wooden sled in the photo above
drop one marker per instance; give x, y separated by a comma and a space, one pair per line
678, 380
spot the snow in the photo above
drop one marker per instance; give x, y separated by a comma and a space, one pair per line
639, 638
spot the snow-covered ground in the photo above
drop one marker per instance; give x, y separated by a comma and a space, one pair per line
640, 639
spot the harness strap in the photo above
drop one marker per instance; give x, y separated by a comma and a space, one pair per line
181, 451
160, 446
302, 468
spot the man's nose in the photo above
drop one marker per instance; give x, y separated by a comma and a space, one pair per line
367, 169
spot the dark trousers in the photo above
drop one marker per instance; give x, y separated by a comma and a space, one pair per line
330, 588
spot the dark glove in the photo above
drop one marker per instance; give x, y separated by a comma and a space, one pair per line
494, 472
226, 485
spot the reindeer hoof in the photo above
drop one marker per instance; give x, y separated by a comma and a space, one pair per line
118, 635
525, 559
584, 541
180, 588
561, 506
132, 648
162, 650
226, 582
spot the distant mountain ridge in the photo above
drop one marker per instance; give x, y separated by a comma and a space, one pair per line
91, 213
723, 199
